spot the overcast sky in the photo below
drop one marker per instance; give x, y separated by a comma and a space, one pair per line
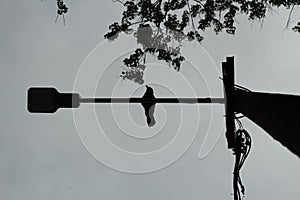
42, 156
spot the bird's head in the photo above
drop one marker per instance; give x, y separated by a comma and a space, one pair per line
148, 88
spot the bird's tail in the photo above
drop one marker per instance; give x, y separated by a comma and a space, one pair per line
150, 116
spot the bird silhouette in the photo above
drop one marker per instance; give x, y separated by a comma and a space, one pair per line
149, 107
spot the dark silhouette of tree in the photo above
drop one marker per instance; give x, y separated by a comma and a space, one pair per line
156, 23
62, 9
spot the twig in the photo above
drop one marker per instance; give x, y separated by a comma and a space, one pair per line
289, 18
199, 2
191, 16
118, 1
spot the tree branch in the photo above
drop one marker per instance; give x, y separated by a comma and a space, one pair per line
118, 1
289, 18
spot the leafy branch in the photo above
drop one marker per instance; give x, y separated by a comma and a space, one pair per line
158, 23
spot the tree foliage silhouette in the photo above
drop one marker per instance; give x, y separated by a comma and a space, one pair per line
157, 23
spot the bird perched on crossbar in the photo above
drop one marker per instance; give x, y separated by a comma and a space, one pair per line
149, 107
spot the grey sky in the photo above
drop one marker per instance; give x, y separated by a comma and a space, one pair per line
42, 156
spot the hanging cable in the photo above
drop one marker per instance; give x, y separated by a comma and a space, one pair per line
241, 151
